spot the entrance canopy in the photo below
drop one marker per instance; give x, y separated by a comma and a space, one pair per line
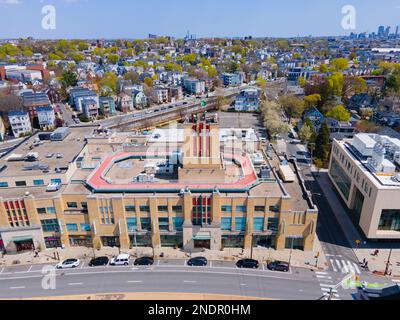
202, 236
22, 239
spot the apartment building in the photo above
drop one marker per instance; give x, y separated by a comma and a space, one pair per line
46, 117
365, 173
20, 123
107, 106
183, 188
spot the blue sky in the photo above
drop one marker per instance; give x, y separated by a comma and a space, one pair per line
137, 18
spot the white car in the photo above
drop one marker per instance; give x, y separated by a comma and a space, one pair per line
121, 260
69, 263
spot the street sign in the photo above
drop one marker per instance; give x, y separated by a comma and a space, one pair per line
203, 103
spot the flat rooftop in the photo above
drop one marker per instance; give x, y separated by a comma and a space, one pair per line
68, 149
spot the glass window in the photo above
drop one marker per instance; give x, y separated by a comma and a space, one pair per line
146, 224
226, 208
296, 243
226, 223
41, 210
38, 182
51, 210
50, 225
132, 224
275, 208
177, 209
130, 208
240, 224
56, 181
273, 224
341, 179
241, 209
144, 208
259, 224
20, 183
85, 227
259, 208
84, 206
3, 184
72, 205
163, 224
162, 208
390, 220
72, 227
178, 223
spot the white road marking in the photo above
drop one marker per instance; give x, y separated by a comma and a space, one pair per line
326, 285
75, 284
345, 269
339, 265
158, 262
188, 281
210, 264
135, 281
2, 269
335, 295
321, 273
16, 288
351, 268
185, 263
396, 280
29, 270
329, 290
357, 268
333, 266
324, 277
83, 263
243, 284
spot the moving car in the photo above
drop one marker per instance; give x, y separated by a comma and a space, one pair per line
197, 262
100, 261
278, 266
69, 263
144, 261
120, 260
247, 264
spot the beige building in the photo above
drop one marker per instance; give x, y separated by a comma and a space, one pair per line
365, 173
178, 188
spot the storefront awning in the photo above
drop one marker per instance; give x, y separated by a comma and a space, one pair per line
22, 238
202, 236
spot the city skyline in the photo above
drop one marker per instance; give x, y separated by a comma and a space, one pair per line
175, 18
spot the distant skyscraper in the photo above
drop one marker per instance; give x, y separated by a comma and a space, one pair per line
381, 31
387, 32
397, 31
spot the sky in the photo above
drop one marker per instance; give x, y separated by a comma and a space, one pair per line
109, 19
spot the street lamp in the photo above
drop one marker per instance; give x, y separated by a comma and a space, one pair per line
291, 251
252, 244
388, 262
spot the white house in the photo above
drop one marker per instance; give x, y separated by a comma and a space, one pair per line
46, 117
20, 123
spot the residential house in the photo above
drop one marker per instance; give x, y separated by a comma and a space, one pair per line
20, 123
125, 102
314, 115
232, 79
78, 95
34, 100
194, 86
90, 109
175, 93
160, 95
140, 100
248, 100
107, 106
46, 117
340, 129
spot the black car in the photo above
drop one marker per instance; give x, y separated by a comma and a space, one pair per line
100, 261
144, 261
278, 266
197, 262
247, 263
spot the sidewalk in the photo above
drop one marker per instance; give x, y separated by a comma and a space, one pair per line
365, 251
297, 258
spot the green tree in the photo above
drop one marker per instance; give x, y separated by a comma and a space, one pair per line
312, 100
323, 68
109, 81
305, 133
322, 143
113, 58
340, 64
149, 82
82, 46
78, 57
335, 84
292, 105
69, 79
339, 113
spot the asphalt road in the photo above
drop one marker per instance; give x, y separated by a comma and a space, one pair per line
171, 276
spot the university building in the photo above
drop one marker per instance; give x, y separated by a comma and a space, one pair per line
189, 187
365, 173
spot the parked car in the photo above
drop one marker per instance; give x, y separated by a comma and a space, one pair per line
247, 264
120, 260
197, 262
100, 261
278, 266
69, 263
144, 261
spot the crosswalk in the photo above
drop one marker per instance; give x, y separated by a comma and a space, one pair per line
344, 266
327, 286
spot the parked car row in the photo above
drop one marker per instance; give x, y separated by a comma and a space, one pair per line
124, 260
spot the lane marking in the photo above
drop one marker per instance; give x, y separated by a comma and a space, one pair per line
158, 262
326, 285
2, 269
333, 265
324, 277
243, 284
210, 264
329, 290
75, 284
83, 263
138, 281
321, 273
29, 270
16, 288
189, 281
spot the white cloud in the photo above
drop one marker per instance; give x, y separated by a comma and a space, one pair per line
10, 2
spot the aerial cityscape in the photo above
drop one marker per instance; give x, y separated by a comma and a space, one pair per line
141, 163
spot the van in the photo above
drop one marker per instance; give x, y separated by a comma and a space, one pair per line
120, 260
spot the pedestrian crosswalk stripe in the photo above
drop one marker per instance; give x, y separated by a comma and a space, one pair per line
321, 273
324, 277
396, 280
357, 268
329, 290
334, 295
333, 266
326, 285
351, 267
338, 264
345, 269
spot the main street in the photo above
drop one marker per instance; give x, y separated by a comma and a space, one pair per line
166, 276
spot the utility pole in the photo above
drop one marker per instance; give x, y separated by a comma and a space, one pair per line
252, 242
388, 262
291, 252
